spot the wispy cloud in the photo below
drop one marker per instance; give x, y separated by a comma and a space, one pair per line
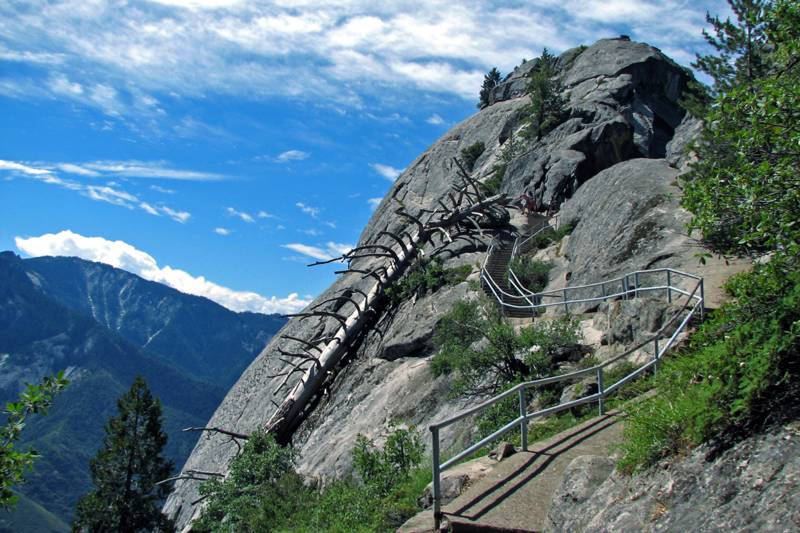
374, 203
435, 120
245, 217
122, 255
110, 193
222, 231
322, 253
163, 190
332, 51
265, 214
149, 169
313, 212
292, 155
388, 172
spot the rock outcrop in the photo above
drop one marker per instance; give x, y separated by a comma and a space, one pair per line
606, 161
755, 486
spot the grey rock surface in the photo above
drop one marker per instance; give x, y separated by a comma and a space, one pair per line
754, 486
581, 479
622, 104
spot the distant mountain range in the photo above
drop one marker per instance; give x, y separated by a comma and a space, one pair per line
105, 326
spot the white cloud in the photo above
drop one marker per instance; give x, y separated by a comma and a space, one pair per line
374, 202
111, 193
329, 251
333, 51
149, 169
122, 255
77, 169
292, 155
162, 189
264, 214
245, 217
222, 231
313, 212
312, 232
388, 172
177, 216
435, 120
24, 169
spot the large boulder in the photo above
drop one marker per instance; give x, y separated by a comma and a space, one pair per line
755, 486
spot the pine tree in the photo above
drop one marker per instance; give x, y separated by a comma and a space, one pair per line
744, 190
490, 81
546, 109
126, 469
741, 47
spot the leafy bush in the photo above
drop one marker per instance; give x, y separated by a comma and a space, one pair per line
264, 493
471, 153
263, 472
382, 469
487, 354
545, 238
426, 276
531, 273
740, 373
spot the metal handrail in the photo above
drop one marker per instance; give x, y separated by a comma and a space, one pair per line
697, 294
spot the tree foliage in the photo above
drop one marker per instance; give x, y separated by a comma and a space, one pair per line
35, 399
485, 353
264, 471
126, 469
744, 190
547, 107
741, 47
263, 492
490, 81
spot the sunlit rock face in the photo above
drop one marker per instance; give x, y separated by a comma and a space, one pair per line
622, 117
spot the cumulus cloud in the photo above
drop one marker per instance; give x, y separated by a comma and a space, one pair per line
332, 51
292, 155
122, 255
324, 253
388, 172
374, 203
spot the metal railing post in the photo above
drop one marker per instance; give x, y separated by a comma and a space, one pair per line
566, 302
437, 496
604, 289
625, 286
523, 425
702, 299
636, 285
600, 393
655, 356
669, 286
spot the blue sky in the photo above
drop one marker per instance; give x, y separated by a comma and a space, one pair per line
220, 145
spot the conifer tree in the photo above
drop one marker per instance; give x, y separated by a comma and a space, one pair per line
546, 109
490, 81
125, 470
740, 47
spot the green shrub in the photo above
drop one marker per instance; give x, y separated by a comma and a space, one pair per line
547, 237
531, 273
471, 153
382, 469
424, 277
486, 354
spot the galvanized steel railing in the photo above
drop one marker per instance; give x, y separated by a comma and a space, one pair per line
628, 289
